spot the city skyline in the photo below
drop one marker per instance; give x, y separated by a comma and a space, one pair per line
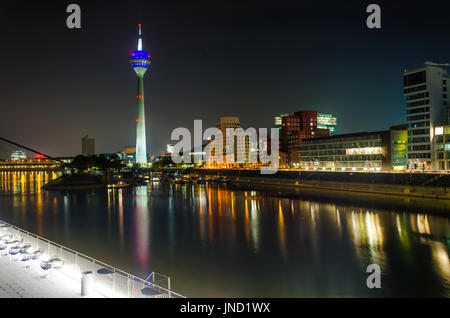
254, 66
284, 151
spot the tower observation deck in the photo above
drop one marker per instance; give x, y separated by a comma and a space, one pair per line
140, 61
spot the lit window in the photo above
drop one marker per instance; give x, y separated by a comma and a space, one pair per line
439, 130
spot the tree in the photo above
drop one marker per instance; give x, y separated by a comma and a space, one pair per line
81, 163
102, 163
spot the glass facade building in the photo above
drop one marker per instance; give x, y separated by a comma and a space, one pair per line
362, 151
327, 121
368, 151
442, 147
399, 147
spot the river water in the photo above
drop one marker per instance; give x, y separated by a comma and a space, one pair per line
242, 240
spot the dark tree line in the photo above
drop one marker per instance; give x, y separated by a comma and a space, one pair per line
97, 162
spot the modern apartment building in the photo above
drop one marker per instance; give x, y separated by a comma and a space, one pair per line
425, 91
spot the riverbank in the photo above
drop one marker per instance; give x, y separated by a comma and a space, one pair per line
75, 182
433, 186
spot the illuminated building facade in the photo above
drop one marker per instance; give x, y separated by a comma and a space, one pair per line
87, 146
129, 155
399, 147
140, 62
18, 155
442, 147
369, 151
295, 128
425, 91
242, 146
278, 122
33, 164
327, 121
169, 148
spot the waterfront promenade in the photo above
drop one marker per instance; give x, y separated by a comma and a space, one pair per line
33, 267
419, 185
18, 282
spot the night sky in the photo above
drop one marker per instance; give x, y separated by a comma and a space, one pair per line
253, 60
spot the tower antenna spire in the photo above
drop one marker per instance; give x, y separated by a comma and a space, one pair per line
140, 39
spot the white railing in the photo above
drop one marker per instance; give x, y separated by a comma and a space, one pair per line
110, 282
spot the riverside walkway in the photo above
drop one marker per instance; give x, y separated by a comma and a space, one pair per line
34, 267
18, 282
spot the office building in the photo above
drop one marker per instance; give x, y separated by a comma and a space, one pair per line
442, 147
129, 155
278, 122
18, 155
87, 146
169, 148
399, 147
327, 121
295, 128
242, 149
425, 91
368, 151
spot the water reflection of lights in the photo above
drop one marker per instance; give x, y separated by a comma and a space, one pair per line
120, 207
210, 219
255, 225
203, 201
171, 226
367, 233
142, 227
247, 223
282, 232
374, 233
39, 205
403, 232
442, 264
338, 219
422, 224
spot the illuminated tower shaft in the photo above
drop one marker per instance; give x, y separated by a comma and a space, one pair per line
141, 142
140, 61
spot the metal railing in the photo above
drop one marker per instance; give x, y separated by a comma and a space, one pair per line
109, 282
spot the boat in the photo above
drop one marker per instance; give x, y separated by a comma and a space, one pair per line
215, 179
200, 181
118, 185
179, 180
139, 182
224, 179
220, 179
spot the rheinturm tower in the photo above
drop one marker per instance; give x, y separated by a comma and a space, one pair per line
140, 62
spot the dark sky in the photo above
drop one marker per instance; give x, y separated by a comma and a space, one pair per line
209, 59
